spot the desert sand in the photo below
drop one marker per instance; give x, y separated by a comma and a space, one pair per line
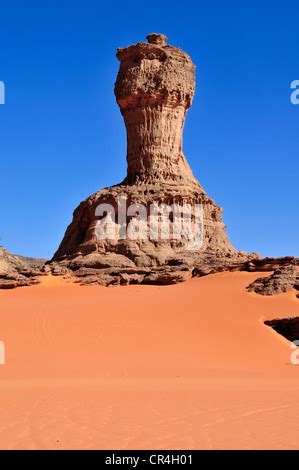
189, 366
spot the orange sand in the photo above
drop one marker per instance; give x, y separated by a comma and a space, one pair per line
141, 367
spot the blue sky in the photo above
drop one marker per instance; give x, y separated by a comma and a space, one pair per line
62, 136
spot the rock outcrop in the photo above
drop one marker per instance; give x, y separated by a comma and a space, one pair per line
154, 89
18, 271
283, 279
158, 226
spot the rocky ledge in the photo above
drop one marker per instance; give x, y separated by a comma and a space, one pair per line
283, 279
19, 271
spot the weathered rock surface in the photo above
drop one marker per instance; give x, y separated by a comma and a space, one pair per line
283, 279
18, 271
154, 89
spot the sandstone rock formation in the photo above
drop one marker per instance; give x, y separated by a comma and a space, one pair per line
282, 280
18, 271
154, 89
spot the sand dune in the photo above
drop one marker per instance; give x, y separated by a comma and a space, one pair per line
185, 366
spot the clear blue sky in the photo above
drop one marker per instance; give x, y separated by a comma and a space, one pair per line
62, 136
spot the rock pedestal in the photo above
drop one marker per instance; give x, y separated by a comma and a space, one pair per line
154, 89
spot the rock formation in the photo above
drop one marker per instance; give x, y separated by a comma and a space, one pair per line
18, 271
154, 89
282, 280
